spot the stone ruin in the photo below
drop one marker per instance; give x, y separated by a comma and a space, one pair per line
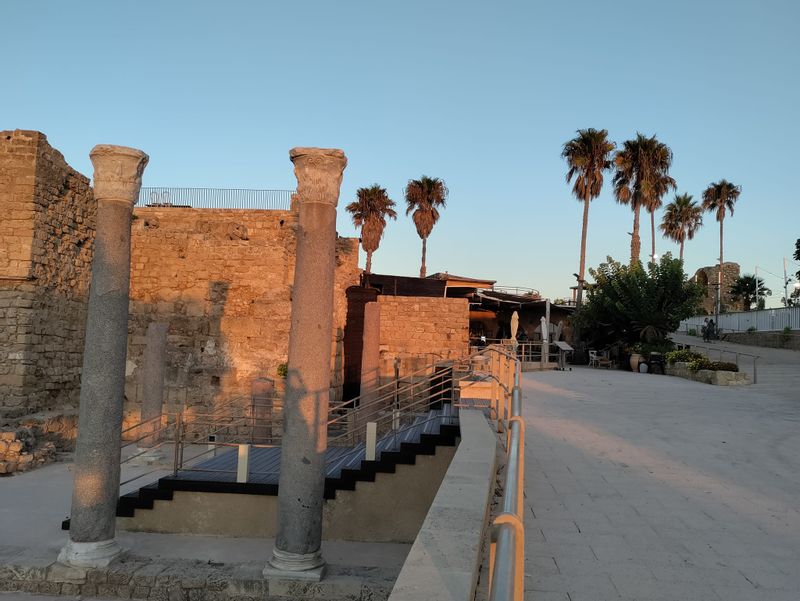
707, 277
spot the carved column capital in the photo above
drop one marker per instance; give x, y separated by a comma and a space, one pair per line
117, 172
319, 174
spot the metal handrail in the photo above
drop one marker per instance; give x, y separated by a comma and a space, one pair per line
737, 354
507, 550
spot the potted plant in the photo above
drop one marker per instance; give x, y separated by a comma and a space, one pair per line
636, 356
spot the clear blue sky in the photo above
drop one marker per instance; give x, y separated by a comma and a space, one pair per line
481, 94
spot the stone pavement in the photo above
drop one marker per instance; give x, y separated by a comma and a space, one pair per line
161, 566
653, 488
778, 369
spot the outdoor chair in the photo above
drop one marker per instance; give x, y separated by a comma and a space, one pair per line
594, 359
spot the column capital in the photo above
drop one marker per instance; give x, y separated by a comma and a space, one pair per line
319, 174
117, 172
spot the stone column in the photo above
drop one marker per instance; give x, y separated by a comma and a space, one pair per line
371, 353
117, 179
297, 552
154, 367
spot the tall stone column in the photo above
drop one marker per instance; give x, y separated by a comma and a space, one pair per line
117, 179
297, 552
154, 367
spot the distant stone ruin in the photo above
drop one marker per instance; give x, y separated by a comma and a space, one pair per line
707, 278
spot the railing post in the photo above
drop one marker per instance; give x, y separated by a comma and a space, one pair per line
493, 371
371, 440
178, 435
243, 463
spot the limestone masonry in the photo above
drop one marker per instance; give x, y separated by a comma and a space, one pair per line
221, 278
419, 330
46, 245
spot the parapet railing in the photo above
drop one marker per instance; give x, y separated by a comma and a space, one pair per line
215, 198
735, 354
507, 549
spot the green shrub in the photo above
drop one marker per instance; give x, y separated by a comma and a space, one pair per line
706, 363
722, 366
283, 370
692, 332
786, 336
751, 329
682, 355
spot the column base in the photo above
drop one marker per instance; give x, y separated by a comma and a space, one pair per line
295, 566
89, 555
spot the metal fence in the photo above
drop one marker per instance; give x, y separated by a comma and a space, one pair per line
766, 320
216, 198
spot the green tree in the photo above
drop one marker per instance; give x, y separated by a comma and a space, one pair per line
369, 212
641, 180
424, 196
631, 303
682, 218
750, 291
588, 155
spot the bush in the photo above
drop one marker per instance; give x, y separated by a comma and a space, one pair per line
683, 355
722, 366
706, 363
692, 332
751, 329
283, 370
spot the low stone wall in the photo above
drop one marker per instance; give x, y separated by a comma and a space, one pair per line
160, 579
707, 376
444, 561
19, 451
766, 339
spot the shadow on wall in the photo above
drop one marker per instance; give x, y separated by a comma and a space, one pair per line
197, 359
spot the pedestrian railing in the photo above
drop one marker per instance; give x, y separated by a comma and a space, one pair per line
215, 198
721, 353
507, 535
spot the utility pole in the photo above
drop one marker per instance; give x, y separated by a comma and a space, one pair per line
785, 285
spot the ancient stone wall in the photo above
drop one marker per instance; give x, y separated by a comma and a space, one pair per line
420, 330
46, 245
707, 278
222, 280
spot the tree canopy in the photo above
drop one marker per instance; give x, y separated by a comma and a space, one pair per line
633, 303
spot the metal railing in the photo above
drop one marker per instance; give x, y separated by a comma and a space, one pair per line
763, 320
507, 548
736, 355
215, 198
517, 291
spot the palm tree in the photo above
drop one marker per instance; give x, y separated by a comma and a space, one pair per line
750, 291
587, 155
423, 197
682, 218
641, 179
369, 212
719, 198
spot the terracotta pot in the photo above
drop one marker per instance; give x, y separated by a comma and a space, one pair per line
635, 359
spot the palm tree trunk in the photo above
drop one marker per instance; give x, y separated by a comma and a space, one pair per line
653, 234
424, 251
369, 262
582, 269
636, 243
681, 250
719, 273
